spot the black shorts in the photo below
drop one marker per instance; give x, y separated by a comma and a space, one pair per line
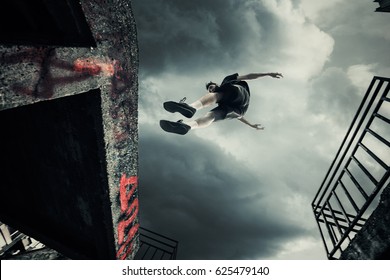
233, 99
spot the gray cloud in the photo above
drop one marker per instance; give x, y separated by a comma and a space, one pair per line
333, 95
195, 35
207, 200
359, 31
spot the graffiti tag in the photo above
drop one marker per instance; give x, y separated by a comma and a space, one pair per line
127, 227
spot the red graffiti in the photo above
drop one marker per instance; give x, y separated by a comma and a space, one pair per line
124, 195
121, 136
124, 224
127, 246
94, 66
47, 62
127, 189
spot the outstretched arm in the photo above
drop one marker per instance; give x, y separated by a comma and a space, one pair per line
255, 126
243, 120
253, 76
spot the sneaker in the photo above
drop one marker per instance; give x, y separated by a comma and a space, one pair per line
175, 127
181, 107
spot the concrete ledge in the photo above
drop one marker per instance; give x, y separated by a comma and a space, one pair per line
93, 162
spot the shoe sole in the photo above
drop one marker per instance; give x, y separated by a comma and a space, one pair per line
174, 127
174, 107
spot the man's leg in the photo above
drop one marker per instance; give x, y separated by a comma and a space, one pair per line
181, 127
188, 110
202, 122
206, 100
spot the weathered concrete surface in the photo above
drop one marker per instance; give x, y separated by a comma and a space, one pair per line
373, 240
31, 75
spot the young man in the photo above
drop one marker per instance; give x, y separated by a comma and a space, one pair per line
232, 98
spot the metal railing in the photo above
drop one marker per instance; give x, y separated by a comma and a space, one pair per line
155, 246
358, 174
14, 243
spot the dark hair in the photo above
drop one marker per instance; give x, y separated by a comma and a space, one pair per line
210, 83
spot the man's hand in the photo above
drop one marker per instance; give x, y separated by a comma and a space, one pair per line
258, 126
255, 126
276, 75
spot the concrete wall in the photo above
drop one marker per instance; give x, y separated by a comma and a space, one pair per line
70, 138
373, 240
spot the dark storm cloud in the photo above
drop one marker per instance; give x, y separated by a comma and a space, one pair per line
193, 35
193, 191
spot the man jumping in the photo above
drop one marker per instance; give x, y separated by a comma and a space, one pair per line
232, 99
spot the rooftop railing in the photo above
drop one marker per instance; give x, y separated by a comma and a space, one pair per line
155, 246
359, 172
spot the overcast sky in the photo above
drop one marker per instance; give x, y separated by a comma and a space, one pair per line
229, 191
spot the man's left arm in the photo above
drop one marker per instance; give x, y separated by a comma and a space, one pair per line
256, 126
253, 76
245, 121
